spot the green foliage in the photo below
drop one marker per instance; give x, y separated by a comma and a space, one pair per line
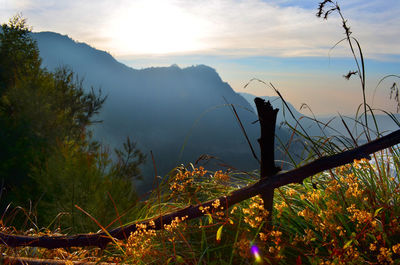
47, 158
19, 68
37, 108
19, 55
76, 175
128, 161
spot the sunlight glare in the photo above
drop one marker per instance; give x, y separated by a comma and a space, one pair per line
155, 27
256, 252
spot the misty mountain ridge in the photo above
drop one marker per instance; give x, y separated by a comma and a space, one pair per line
177, 113
329, 125
277, 103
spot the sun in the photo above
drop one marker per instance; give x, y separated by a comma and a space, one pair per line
155, 27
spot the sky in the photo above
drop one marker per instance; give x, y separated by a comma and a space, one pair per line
277, 41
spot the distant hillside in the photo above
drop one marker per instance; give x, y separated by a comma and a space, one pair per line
160, 107
277, 103
331, 125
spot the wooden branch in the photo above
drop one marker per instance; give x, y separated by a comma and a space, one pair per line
32, 261
294, 176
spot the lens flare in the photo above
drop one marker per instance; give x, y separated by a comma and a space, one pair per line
256, 252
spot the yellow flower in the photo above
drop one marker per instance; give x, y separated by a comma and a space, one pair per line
219, 175
216, 203
396, 248
233, 209
385, 255
276, 233
362, 163
280, 206
372, 247
290, 192
263, 236
243, 245
271, 249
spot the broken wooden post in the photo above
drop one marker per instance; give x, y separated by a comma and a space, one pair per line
267, 117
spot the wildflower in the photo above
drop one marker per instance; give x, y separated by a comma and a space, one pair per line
219, 175
308, 236
220, 214
385, 255
372, 247
255, 214
290, 192
343, 169
396, 248
263, 236
216, 203
333, 187
362, 163
307, 214
243, 247
204, 209
276, 233
271, 249
174, 223
201, 171
184, 179
233, 209
314, 196
280, 206
361, 216
139, 243
353, 186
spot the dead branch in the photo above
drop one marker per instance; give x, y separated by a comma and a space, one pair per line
294, 176
267, 117
32, 261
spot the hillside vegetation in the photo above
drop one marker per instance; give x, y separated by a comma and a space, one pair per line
48, 161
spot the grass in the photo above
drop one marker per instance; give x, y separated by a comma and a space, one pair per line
349, 215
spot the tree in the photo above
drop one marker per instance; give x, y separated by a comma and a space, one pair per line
44, 137
77, 174
37, 108
19, 54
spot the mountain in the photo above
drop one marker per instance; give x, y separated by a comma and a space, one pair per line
178, 114
329, 125
287, 115
277, 103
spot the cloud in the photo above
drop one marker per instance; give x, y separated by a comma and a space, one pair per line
261, 28
283, 28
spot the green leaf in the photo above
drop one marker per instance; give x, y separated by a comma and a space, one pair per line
348, 243
210, 219
179, 259
377, 211
219, 232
